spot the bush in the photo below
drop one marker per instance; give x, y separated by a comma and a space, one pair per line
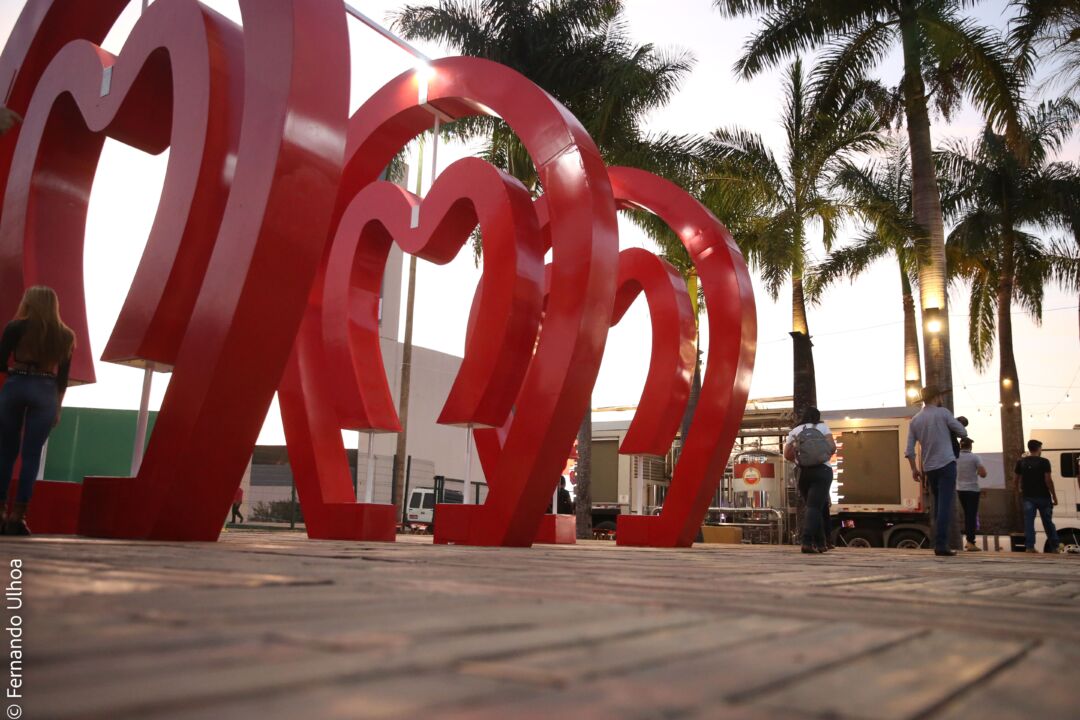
276, 511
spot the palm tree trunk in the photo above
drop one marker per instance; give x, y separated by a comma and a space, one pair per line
583, 488
912, 371
805, 384
926, 207
1012, 413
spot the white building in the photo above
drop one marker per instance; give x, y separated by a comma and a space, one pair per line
431, 450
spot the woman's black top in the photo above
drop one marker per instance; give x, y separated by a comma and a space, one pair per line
10, 340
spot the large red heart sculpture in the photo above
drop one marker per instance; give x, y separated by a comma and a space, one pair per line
223, 314
556, 389
256, 124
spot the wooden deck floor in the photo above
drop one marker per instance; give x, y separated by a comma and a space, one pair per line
272, 625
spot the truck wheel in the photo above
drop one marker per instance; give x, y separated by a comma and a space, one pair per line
908, 540
1070, 540
862, 539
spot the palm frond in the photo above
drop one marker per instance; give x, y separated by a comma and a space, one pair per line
982, 62
982, 321
847, 262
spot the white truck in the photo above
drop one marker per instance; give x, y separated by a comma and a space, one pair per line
875, 500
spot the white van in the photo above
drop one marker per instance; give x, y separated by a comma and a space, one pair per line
421, 508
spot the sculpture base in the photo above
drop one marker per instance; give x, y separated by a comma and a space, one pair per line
557, 530
111, 507
471, 525
54, 507
645, 531
354, 521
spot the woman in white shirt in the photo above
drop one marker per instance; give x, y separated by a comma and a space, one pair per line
814, 481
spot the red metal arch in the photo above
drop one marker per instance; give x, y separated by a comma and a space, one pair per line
555, 390
250, 298
729, 364
467, 192
174, 84
336, 378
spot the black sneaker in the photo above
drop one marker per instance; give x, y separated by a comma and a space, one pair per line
945, 553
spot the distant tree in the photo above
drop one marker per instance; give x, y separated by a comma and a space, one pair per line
997, 199
1048, 30
880, 193
945, 57
822, 131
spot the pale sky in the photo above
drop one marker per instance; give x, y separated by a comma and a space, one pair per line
857, 330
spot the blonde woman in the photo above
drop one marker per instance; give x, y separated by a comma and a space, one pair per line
35, 353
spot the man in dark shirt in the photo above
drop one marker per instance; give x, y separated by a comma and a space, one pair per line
1036, 487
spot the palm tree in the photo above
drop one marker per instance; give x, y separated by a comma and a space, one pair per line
821, 133
881, 195
995, 198
580, 52
1050, 29
945, 57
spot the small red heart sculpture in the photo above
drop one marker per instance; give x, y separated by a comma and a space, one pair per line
335, 378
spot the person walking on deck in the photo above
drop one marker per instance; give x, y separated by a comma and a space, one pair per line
933, 429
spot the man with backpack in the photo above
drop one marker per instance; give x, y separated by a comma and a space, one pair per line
810, 445
1036, 487
933, 428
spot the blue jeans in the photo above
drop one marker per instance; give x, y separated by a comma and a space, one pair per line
943, 485
969, 500
28, 405
817, 479
1045, 508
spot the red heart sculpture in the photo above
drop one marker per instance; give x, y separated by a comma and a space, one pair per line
732, 332
225, 317
335, 378
732, 315
556, 389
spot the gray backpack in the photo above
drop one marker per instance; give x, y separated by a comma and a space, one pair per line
811, 447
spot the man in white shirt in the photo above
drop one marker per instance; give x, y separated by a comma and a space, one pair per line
933, 428
969, 469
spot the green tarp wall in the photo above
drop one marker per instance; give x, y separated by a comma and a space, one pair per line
92, 441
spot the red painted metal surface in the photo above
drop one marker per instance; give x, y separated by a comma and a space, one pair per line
335, 378
508, 312
55, 506
555, 391
238, 271
671, 366
732, 330
729, 364
240, 301
557, 530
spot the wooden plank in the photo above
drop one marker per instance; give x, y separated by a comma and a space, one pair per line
271, 624
902, 681
1042, 684
641, 650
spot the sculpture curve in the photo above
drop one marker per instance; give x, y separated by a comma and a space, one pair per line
555, 390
